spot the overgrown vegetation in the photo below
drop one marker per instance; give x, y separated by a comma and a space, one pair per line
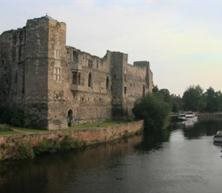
5, 127
174, 101
25, 150
195, 99
153, 110
52, 145
98, 124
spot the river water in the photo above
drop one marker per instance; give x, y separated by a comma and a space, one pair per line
183, 160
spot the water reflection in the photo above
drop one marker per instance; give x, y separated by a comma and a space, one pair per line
153, 140
161, 161
202, 129
52, 173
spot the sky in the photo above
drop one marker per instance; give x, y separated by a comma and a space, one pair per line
182, 39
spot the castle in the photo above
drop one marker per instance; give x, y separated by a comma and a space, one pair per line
56, 85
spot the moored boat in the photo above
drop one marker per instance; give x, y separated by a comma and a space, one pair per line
187, 116
218, 137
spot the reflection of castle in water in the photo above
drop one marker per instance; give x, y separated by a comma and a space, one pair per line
53, 171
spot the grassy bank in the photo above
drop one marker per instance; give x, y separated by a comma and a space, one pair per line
21, 143
11, 130
98, 125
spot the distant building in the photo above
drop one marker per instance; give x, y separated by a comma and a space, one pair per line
56, 85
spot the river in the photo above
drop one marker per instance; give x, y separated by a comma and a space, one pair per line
183, 160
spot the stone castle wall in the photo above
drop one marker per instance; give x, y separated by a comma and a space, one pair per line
55, 84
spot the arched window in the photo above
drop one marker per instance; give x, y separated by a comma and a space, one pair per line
74, 77
90, 63
70, 118
90, 80
107, 82
79, 79
125, 89
75, 57
57, 74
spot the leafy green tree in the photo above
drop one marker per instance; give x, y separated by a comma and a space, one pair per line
153, 110
211, 99
177, 103
165, 93
219, 100
193, 99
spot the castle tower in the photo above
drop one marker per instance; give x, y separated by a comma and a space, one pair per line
45, 57
58, 76
118, 62
36, 72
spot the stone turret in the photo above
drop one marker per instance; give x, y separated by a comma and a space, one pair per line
118, 62
36, 72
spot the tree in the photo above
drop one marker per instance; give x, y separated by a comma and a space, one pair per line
193, 99
211, 100
177, 103
153, 110
219, 100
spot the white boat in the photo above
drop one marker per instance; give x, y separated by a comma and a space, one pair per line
182, 117
188, 116
218, 137
191, 116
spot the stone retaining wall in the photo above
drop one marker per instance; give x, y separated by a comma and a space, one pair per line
210, 116
10, 146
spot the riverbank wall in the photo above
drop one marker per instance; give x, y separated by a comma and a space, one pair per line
26, 146
217, 116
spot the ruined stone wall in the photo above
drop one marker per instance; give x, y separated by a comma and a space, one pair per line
12, 62
145, 65
52, 82
90, 85
24, 71
135, 86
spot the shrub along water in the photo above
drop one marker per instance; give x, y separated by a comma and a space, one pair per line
52, 146
153, 110
25, 150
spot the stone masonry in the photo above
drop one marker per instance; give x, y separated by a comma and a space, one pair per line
56, 85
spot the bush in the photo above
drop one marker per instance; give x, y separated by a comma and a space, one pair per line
47, 146
52, 145
153, 110
67, 143
24, 151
